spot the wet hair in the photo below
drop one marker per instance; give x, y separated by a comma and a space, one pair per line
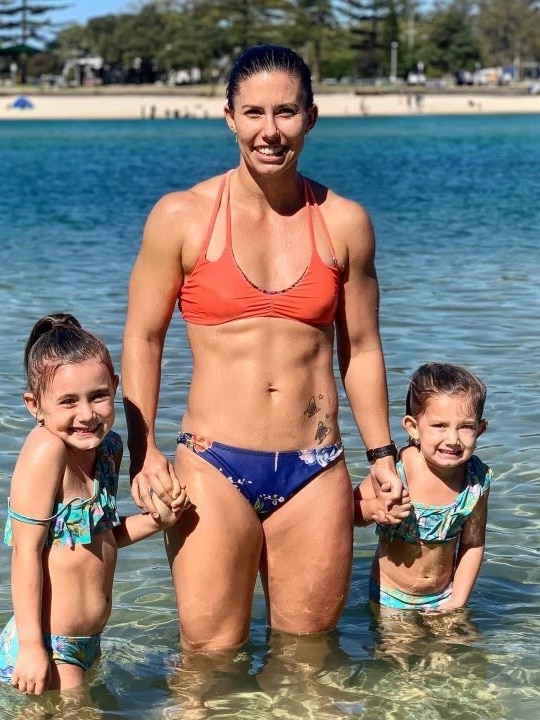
268, 58
442, 378
57, 340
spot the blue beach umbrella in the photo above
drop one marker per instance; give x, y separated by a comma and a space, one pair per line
22, 103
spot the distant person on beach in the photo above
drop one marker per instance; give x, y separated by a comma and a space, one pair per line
267, 268
62, 517
430, 560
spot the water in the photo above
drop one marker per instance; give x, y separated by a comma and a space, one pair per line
455, 206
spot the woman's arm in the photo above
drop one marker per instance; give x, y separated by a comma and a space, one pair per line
36, 479
153, 289
359, 346
469, 556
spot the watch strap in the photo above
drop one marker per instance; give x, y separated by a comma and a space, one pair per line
381, 452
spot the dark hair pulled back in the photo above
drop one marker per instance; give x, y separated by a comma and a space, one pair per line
55, 340
442, 378
269, 58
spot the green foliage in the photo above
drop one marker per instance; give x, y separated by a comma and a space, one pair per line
450, 44
508, 30
24, 21
338, 38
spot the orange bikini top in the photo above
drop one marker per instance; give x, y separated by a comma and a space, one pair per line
218, 291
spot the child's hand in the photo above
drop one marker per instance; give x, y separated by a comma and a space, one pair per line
181, 502
446, 606
391, 512
169, 515
32, 671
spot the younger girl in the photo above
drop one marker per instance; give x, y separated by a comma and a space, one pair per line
432, 557
62, 517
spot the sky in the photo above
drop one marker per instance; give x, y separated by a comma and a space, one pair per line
79, 11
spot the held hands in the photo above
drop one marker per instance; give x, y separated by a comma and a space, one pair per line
392, 513
156, 485
32, 672
169, 515
395, 503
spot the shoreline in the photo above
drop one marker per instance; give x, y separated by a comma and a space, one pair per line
137, 105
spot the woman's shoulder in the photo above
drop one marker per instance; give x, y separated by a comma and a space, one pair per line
346, 209
189, 200
348, 222
179, 216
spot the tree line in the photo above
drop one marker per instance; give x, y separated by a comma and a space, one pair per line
354, 39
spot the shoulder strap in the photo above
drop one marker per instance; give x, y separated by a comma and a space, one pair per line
401, 472
215, 210
478, 472
310, 201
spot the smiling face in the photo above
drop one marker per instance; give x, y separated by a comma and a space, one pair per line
447, 430
77, 404
270, 120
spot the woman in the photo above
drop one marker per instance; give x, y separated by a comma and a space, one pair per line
266, 266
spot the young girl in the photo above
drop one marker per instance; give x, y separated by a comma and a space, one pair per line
62, 517
431, 558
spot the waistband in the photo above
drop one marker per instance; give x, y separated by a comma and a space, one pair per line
393, 598
201, 443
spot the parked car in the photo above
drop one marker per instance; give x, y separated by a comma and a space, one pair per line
416, 78
464, 77
492, 76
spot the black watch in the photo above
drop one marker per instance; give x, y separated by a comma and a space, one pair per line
380, 452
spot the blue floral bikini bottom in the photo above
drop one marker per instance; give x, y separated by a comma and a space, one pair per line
265, 479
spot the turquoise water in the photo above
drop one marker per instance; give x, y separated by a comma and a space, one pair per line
455, 203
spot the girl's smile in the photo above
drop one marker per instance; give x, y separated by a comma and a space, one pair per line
78, 404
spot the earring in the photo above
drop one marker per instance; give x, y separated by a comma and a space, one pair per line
414, 442
236, 138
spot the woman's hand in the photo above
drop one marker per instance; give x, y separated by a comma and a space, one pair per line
386, 480
390, 512
168, 516
156, 478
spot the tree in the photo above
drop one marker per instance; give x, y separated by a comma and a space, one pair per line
307, 27
19, 21
19, 24
450, 43
374, 25
509, 31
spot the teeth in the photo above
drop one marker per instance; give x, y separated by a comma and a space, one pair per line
271, 150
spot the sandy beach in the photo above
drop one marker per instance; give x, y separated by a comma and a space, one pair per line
169, 105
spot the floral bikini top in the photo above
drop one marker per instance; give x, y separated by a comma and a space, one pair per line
75, 522
441, 523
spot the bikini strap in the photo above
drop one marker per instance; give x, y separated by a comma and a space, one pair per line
310, 201
228, 221
215, 210
44, 521
401, 472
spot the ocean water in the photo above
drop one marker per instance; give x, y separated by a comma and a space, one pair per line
455, 203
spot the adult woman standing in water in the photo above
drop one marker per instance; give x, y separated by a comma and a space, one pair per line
267, 267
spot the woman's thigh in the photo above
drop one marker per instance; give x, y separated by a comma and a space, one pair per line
307, 561
214, 551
